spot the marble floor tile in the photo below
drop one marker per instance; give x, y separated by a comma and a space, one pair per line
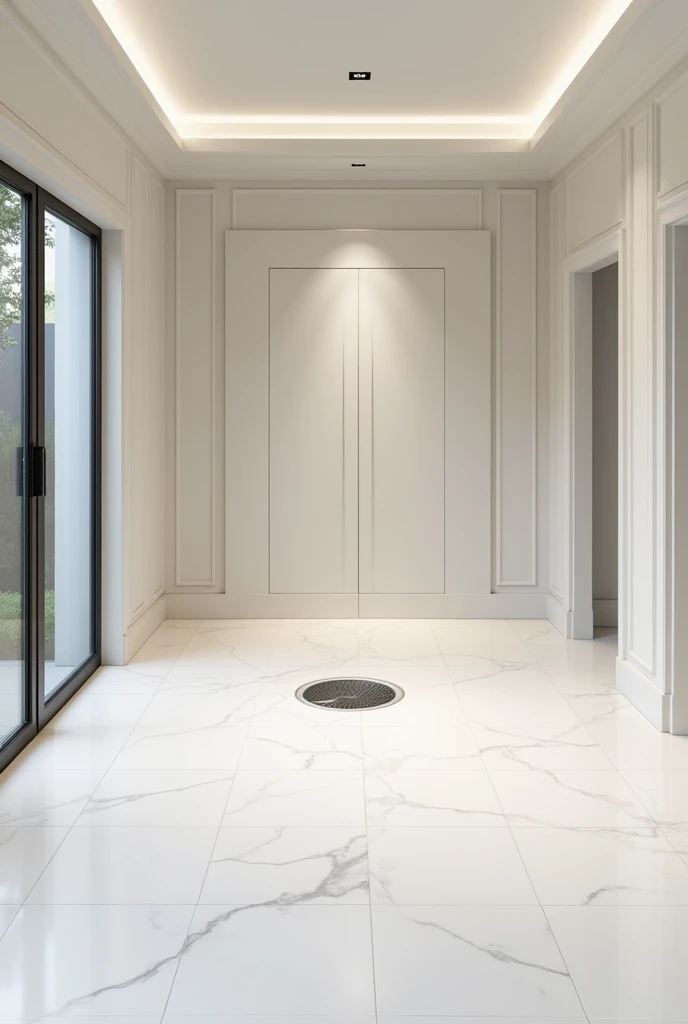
36, 797
190, 732
119, 679
102, 709
59, 747
285, 865
538, 633
390, 644
447, 866
158, 798
579, 799
580, 668
500, 708
300, 645
296, 798
476, 663
633, 743
24, 854
7, 915
212, 681
276, 960
482, 961
127, 865
439, 798
169, 710
96, 960
441, 747
592, 708
272, 743
663, 793
451, 632
152, 661
626, 962
602, 867
539, 746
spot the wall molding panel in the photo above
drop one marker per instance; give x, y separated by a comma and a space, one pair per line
516, 390
595, 194
379, 209
557, 482
58, 113
157, 384
195, 540
641, 410
671, 137
138, 386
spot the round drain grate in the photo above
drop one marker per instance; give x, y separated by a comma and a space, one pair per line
353, 694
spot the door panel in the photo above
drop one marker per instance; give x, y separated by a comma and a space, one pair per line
13, 352
402, 357
68, 417
313, 431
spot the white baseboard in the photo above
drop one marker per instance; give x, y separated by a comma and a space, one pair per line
558, 615
145, 626
605, 612
351, 606
641, 691
452, 606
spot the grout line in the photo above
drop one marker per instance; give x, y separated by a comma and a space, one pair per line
535, 894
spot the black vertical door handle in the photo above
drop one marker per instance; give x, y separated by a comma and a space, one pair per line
19, 471
38, 471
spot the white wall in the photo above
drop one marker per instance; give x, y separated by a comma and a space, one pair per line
52, 131
605, 444
621, 184
198, 218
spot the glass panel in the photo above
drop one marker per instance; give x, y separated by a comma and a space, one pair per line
13, 284
68, 443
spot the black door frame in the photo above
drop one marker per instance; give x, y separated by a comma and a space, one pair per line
38, 712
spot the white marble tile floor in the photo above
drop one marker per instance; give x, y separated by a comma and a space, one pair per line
187, 843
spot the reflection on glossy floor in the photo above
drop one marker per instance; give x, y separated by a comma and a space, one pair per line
188, 841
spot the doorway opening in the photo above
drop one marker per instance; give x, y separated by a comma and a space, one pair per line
605, 449
593, 328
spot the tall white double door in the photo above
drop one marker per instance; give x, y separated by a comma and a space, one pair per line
351, 448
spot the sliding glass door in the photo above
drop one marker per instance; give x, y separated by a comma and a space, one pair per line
14, 302
69, 551
49, 457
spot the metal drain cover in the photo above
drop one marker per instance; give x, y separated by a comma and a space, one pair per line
354, 694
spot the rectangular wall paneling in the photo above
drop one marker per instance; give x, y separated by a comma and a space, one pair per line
595, 194
516, 390
138, 386
195, 564
374, 209
557, 488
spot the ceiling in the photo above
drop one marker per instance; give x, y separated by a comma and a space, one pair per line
281, 66
459, 88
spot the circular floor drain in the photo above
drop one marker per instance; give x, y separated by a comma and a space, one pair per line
354, 694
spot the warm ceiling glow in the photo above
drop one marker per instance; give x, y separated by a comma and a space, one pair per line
581, 55
191, 126
136, 53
